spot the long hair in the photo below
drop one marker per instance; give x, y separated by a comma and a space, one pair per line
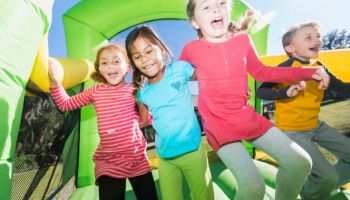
148, 33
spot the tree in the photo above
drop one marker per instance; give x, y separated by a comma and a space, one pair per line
337, 39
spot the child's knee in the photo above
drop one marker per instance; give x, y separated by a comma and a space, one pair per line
302, 164
298, 169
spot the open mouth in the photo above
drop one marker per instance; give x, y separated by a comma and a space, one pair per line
314, 49
217, 22
113, 75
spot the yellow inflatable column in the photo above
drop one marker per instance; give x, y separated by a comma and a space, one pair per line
76, 71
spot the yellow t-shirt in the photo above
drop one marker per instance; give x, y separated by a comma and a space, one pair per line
299, 113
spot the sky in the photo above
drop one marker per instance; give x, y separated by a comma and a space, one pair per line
332, 14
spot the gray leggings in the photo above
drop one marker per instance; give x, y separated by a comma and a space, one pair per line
324, 177
294, 162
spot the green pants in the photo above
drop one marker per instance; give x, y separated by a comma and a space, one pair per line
194, 167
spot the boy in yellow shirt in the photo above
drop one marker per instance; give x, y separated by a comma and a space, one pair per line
297, 113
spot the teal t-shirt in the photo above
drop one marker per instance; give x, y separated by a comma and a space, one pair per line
170, 102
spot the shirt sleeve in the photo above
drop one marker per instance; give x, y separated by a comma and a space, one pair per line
184, 56
65, 103
139, 96
187, 69
337, 89
267, 92
263, 73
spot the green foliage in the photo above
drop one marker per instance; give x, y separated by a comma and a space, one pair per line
27, 162
39, 127
337, 39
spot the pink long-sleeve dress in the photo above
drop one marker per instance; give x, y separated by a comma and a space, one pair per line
222, 70
121, 152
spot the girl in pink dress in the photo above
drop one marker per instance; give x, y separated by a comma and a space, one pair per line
121, 153
222, 62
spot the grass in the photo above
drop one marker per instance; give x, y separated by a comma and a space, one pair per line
337, 115
21, 182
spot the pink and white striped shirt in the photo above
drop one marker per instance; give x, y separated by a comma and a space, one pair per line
121, 152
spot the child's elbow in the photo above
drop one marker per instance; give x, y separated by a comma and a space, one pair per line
62, 109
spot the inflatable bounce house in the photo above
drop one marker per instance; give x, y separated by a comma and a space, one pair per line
46, 154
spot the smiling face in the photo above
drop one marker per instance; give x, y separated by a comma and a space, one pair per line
147, 57
212, 17
113, 66
305, 44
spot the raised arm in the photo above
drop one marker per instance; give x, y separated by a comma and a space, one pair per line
263, 73
56, 73
63, 101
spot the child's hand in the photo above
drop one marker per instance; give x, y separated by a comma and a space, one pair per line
245, 24
250, 13
321, 76
55, 72
294, 89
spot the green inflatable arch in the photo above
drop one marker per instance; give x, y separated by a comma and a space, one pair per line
90, 24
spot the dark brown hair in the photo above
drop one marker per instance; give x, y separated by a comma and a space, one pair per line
96, 75
148, 33
233, 28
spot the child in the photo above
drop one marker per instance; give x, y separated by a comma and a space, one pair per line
121, 152
297, 113
166, 94
222, 61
